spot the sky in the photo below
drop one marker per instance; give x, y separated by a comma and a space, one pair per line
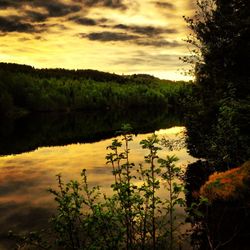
117, 36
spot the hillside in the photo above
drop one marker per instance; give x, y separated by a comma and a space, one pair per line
27, 89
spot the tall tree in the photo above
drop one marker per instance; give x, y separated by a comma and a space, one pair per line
219, 117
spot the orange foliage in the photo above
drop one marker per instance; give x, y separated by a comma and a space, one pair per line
227, 185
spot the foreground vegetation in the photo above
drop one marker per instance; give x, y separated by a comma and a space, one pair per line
219, 208
134, 217
146, 210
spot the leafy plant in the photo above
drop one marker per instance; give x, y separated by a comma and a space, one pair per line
134, 217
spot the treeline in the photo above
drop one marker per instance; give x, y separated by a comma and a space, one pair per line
62, 73
24, 88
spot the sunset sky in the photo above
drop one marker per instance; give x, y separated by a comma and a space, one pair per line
120, 36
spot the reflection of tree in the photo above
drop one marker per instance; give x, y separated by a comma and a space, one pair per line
30, 132
176, 143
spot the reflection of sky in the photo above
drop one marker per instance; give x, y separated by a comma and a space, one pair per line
24, 178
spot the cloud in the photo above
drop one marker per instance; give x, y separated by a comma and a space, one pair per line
152, 60
160, 42
4, 4
31, 19
89, 21
84, 21
113, 4
165, 5
36, 16
144, 30
53, 8
107, 36
13, 24
57, 9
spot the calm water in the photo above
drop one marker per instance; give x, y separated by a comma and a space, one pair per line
28, 164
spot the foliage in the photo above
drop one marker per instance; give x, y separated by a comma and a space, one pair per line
219, 108
147, 225
231, 184
225, 195
217, 123
36, 90
134, 217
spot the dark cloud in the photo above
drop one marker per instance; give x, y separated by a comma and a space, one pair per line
139, 35
165, 5
145, 30
113, 4
107, 36
54, 8
136, 29
4, 4
36, 16
57, 8
84, 21
14, 24
89, 21
33, 21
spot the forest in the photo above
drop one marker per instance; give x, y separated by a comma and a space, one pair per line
26, 89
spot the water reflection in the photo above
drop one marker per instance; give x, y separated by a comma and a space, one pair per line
24, 178
53, 129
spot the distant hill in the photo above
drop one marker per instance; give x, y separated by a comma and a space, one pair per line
61, 73
90, 74
25, 89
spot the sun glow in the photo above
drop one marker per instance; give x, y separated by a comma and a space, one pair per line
121, 37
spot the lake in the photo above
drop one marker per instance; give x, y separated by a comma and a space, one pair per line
34, 149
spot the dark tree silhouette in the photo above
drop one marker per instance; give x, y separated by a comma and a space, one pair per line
219, 115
